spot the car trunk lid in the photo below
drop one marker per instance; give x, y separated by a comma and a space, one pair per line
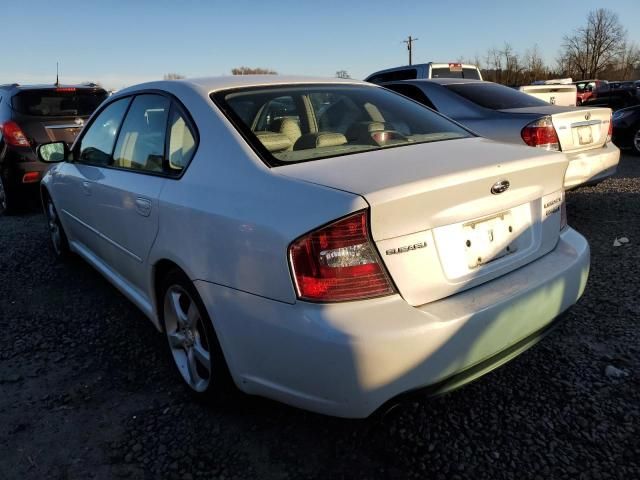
437, 224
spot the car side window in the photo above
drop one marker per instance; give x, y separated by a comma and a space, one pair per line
97, 144
141, 141
182, 142
413, 93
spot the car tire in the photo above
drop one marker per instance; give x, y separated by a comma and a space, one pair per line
192, 341
635, 141
58, 238
6, 198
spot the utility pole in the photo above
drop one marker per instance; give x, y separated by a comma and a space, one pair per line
409, 43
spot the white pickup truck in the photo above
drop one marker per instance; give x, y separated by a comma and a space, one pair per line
556, 92
426, 70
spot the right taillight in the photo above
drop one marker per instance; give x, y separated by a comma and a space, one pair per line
541, 134
13, 134
338, 262
610, 133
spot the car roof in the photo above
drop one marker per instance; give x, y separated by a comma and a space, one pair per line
214, 84
49, 86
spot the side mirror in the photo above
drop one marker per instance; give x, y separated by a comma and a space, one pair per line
53, 152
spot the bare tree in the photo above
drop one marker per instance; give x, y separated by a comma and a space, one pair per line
534, 68
173, 76
594, 48
252, 71
628, 61
342, 74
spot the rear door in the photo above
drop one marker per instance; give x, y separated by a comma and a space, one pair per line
126, 193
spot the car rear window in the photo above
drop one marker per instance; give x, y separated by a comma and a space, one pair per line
287, 124
494, 96
440, 72
59, 102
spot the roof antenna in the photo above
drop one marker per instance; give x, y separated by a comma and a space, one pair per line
57, 80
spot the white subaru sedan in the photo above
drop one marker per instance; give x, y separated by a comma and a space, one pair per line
326, 243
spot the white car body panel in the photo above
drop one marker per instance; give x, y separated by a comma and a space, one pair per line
562, 95
229, 220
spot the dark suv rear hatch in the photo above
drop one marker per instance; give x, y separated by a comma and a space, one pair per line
55, 114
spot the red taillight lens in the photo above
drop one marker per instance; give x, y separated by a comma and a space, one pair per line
13, 135
541, 134
610, 134
31, 177
338, 263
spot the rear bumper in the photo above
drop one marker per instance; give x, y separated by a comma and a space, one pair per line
591, 166
349, 359
18, 162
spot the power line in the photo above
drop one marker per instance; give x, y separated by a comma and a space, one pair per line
409, 43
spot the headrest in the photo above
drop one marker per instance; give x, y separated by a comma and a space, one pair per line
321, 139
274, 142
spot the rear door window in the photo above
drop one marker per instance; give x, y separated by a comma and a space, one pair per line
59, 102
142, 138
494, 96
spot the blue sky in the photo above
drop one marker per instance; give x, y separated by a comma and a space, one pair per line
123, 42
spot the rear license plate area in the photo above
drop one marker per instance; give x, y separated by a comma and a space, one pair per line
585, 135
488, 239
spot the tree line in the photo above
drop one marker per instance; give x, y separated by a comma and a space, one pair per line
599, 49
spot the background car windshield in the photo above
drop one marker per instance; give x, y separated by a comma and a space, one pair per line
495, 97
61, 102
299, 123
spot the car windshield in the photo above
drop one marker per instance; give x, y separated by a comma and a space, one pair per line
311, 122
494, 96
58, 102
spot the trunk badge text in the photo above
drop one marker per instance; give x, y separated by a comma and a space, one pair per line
587, 116
500, 186
406, 248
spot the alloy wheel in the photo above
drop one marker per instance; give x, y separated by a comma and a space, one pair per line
187, 338
636, 141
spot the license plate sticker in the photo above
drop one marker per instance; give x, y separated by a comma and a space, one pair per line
489, 239
585, 135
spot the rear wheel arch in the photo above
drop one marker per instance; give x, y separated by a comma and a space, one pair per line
168, 274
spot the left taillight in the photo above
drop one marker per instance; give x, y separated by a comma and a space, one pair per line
13, 134
338, 262
541, 134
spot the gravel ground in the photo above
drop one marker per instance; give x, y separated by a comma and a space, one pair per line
87, 389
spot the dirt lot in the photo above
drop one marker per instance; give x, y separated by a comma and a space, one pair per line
87, 389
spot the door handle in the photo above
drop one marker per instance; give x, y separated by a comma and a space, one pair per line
143, 206
86, 187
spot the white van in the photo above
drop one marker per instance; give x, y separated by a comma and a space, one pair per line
426, 70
